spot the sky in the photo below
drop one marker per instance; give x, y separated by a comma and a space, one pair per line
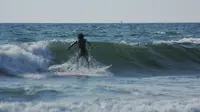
99, 11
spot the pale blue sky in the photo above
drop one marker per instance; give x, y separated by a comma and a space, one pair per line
99, 11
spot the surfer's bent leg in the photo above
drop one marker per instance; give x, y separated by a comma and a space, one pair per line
83, 53
86, 57
78, 57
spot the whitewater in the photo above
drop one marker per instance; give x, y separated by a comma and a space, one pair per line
133, 68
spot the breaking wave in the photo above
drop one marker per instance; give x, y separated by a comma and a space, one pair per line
45, 56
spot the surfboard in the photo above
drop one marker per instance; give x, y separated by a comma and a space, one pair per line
104, 68
85, 72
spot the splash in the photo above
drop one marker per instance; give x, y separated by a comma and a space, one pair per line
80, 67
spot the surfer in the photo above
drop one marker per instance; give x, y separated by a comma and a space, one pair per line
82, 47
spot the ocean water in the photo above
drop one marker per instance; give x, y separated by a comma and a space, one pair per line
133, 68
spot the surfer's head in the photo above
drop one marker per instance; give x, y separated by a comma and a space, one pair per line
80, 36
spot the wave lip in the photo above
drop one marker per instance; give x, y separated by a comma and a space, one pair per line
181, 41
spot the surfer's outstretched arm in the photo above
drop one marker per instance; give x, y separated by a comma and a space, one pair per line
89, 43
72, 45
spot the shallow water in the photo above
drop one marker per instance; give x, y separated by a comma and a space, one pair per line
105, 94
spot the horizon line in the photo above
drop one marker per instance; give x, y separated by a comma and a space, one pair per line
94, 22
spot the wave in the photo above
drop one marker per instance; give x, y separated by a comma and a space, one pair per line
42, 56
150, 55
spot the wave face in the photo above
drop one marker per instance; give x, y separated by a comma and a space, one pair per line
138, 56
45, 56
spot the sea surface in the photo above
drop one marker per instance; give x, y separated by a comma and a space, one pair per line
152, 67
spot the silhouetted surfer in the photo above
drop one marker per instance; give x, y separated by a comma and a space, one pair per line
82, 47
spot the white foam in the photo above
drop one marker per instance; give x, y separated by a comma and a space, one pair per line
34, 76
104, 105
161, 32
38, 48
68, 40
128, 43
25, 58
183, 40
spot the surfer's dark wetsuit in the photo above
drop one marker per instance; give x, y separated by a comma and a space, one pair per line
82, 47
